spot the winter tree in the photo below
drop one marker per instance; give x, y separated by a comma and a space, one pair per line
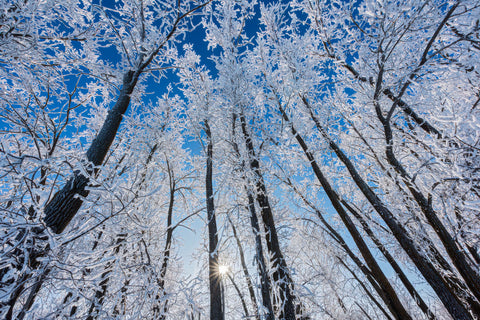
239, 159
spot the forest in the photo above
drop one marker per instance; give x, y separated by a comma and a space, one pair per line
240, 159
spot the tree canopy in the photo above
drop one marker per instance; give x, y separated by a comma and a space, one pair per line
239, 159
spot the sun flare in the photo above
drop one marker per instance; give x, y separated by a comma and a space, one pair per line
223, 269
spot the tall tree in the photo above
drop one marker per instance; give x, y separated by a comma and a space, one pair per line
93, 26
454, 293
339, 176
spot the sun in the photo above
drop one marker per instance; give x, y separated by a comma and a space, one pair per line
223, 269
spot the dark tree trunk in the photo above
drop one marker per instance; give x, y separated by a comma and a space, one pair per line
469, 274
34, 241
266, 287
120, 308
216, 303
388, 294
368, 293
65, 204
373, 275
33, 292
285, 302
168, 245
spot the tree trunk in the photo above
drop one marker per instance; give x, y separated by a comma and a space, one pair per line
168, 245
369, 294
391, 260
286, 300
266, 287
65, 204
216, 303
242, 299
388, 295
375, 276
469, 274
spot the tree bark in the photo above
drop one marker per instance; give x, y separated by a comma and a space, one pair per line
216, 303
65, 204
168, 245
387, 292
266, 286
372, 275
286, 300
469, 274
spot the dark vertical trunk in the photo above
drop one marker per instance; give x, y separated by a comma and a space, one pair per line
266, 287
73, 310
286, 300
216, 305
168, 245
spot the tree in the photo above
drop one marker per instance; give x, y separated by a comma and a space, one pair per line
134, 28
325, 151
301, 78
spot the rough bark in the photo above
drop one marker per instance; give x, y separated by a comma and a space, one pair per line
65, 204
